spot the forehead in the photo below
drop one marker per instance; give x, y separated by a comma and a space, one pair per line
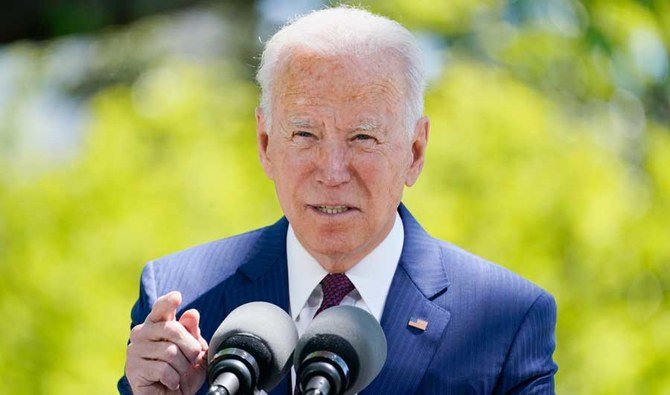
307, 79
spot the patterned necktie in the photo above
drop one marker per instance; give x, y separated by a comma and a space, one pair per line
335, 287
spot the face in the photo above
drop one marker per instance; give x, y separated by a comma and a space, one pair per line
339, 154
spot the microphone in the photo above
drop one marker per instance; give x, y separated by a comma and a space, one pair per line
341, 352
251, 350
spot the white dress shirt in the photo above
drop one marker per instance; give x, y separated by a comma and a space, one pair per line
371, 276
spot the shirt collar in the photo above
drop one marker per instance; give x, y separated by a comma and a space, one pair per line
371, 276
304, 272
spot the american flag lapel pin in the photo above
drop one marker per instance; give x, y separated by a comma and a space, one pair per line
418, 324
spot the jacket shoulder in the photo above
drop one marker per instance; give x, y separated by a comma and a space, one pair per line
487, 285
500, 335
197, 269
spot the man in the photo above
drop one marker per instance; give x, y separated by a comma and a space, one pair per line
340, 132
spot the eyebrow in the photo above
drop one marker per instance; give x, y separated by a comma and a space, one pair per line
304, 123
367, 126
300, 123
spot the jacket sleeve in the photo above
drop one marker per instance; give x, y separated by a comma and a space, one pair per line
529, 367
139, 313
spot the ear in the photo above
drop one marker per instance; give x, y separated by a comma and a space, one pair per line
419, 144
262, 141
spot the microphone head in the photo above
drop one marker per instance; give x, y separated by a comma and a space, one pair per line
351, 333
265, 322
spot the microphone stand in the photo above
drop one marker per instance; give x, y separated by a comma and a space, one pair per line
226, 384
318, 386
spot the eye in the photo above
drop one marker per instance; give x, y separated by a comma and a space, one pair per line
363, 137
302, 133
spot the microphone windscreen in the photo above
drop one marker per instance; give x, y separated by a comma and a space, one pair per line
272, 325
362, 335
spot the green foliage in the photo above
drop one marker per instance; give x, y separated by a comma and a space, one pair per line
166, 165
537, 160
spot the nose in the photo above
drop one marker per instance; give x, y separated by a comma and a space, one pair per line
332, 162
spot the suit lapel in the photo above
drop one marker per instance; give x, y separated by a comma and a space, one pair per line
264, 274
418, 280
264, 277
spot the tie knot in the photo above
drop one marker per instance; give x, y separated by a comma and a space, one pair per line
335, 287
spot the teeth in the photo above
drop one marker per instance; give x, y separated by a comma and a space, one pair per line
332, 209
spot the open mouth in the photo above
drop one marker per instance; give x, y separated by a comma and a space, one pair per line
332, 209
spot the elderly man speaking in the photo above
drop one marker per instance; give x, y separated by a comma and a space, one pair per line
341, 132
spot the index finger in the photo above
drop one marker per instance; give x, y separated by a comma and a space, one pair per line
165, 308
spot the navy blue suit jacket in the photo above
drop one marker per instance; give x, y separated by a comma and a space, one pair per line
489, 331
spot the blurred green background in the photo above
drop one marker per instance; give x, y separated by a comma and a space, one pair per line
127, 132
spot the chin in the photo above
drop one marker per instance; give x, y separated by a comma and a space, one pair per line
336, 255
332, 248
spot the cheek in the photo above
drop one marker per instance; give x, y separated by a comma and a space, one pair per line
297, 166
383, 180
381, 169
377, 179
293, 170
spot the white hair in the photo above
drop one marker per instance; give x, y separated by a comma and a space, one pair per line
346, 30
